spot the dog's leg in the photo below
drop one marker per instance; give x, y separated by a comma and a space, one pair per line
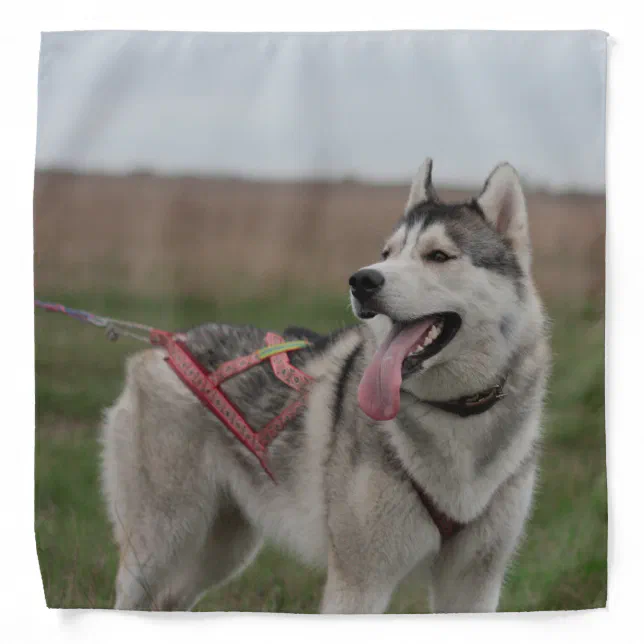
157, 558
232, 545
165, 581
136, 584
473, 587
375, 539
346, 593
176, 532
467, 575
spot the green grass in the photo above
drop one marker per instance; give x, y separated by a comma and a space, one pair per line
562, 562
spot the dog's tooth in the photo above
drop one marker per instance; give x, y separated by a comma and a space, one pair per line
417, 349
432, 333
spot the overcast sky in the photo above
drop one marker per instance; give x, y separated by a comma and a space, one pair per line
369, 105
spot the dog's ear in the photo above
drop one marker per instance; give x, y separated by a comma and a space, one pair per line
503, 204
421, 187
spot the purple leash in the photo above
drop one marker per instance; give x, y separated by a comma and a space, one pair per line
113, 328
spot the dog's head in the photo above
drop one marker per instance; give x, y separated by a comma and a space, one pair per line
449, 293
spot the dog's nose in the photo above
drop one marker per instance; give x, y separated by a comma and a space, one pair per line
366, 283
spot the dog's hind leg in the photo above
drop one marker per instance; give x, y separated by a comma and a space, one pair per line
177, 532
175, 577
231, 546
157, 556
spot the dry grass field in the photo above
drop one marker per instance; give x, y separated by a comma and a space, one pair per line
152, 234
177, 252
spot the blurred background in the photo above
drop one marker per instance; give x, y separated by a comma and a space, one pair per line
242, 178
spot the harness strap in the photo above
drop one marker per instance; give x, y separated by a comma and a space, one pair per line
276, 347
282, 366
205, 386
447, 527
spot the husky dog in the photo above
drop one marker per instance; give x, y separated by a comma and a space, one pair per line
416, 451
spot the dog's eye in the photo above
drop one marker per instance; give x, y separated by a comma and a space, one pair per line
385, 254
437, 256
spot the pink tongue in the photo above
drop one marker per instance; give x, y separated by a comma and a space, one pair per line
379, 390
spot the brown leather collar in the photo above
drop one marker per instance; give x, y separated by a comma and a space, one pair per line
469, 405
447, 527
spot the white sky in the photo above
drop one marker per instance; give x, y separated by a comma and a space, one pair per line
365, 105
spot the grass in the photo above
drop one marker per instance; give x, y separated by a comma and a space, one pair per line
562, 562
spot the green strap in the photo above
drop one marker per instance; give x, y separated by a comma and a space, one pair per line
274, 349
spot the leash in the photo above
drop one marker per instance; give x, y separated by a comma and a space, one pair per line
113, 328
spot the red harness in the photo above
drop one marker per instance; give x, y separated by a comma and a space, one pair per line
206, 386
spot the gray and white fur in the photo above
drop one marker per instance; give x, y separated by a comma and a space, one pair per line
191, 507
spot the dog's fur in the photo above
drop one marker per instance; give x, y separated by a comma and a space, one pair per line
191, 506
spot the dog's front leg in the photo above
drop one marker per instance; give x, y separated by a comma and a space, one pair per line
467, 576
474, 588
352, 591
